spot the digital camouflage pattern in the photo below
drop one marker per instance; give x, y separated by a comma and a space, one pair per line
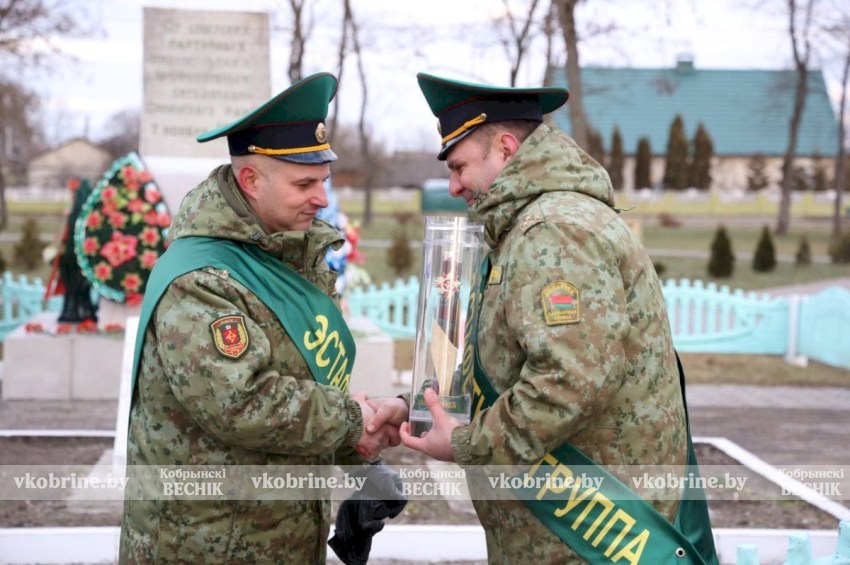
603, 378
195, 406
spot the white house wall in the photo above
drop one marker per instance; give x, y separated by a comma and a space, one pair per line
77, 158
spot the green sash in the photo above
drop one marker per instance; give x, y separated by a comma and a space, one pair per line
611, 523
310, 318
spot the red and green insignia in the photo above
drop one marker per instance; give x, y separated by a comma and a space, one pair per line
560, 303
230, 336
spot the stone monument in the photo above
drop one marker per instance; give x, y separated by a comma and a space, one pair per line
201, 69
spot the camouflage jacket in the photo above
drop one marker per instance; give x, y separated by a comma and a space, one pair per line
194, 406
604, 377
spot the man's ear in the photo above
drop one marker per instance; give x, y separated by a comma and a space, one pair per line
248, 176
507, 144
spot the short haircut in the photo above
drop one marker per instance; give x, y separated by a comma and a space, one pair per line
521, 129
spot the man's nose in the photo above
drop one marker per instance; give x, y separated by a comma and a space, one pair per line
320, 196
455, 187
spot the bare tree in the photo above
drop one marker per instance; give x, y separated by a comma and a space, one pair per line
122, 133
19, 135
340, 64
29, 30
840, 32
299, 39
519, 35
367, 155
549, 33
578, 117
801, 48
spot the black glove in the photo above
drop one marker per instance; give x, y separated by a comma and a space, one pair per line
362, 515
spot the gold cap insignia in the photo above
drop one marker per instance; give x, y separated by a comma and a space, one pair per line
321, 133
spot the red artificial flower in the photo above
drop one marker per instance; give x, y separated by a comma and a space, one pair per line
145, 176
91, 246
151, 217
63, 329
163, 219
149, 236
109, 193
113, 328
132, 181
137, 206
132, 282
87, 326
109, 208
103, 272
34, 327
152, 195
117, 220
148, 258
133, 298
95, 220
120, 249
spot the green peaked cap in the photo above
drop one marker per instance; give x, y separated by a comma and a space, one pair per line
461, 106
290, 126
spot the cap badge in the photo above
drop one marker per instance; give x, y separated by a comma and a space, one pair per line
321, 133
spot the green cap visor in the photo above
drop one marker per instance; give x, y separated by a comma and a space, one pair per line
289, 127
460, 106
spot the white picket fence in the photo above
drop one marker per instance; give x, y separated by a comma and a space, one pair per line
704, 318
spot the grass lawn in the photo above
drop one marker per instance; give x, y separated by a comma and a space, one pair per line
688, 238
744, 277
702, 368
396, 210
744, 237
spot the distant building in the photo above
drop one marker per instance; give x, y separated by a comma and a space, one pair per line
75, 158
746, 113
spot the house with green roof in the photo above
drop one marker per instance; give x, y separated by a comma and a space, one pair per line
746, 113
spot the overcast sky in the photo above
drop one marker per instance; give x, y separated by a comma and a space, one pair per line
452, 38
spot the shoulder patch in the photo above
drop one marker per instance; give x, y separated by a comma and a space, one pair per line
230, 336
560, 301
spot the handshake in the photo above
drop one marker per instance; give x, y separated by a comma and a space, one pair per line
385, 425
382, 418
362, 515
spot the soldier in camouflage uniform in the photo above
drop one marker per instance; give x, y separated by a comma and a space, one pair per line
219, 380
572, 330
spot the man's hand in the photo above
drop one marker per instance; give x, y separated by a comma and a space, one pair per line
390, 410
437, 442
369, 445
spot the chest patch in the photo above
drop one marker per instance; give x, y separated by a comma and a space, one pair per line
495, 275
230, 336
560, 301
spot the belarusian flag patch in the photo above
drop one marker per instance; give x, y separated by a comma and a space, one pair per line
560, 301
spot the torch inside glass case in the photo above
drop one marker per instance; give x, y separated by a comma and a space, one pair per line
451, 257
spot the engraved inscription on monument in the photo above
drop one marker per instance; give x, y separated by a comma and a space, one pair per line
202, 69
